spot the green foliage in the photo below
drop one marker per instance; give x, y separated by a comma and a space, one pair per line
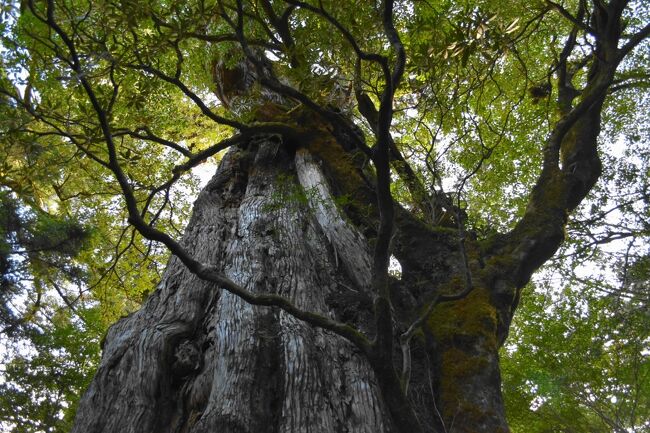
578, 362
33, 246
464, 119
47, 379
577, 358
69, 263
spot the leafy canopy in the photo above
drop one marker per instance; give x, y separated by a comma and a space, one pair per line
471, 115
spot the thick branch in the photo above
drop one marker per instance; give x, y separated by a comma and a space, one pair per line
571, 166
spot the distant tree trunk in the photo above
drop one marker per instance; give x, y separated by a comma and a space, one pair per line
298, 219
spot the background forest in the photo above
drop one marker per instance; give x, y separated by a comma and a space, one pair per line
477, 101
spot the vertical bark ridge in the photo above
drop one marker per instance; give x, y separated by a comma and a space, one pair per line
195, 359
348, 242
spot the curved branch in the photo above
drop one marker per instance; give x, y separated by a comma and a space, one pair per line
193, 96
144, 133
363, 55
201, 270
634, 41
570, 168
575, 20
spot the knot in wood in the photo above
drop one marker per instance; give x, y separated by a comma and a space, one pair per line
187, 358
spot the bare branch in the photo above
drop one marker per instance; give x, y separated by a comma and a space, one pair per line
201, 270
145, 133
577, 21
634, 41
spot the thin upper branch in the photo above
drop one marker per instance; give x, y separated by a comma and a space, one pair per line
363, 55
577, 21
145, 133
175, 80
203, 271
635, 40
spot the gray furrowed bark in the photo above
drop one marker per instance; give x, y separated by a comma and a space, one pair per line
197, 359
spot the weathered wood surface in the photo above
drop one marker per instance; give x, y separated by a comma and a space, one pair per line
196, 359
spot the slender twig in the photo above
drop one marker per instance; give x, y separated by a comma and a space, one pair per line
201, 270
575, 20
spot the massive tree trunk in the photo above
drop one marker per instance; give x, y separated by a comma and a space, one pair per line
298, 216
297, 219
